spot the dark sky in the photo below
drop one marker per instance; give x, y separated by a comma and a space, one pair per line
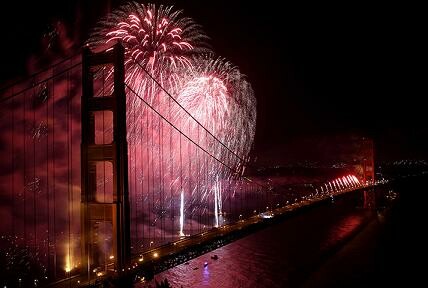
316, 70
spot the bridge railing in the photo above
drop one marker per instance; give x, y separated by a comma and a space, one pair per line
40, 176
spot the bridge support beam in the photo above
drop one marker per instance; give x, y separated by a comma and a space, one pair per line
104, 250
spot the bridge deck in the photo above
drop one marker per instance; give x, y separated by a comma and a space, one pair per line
164, 257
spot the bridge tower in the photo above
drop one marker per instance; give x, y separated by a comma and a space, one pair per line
113, 242
368, 171
368, 160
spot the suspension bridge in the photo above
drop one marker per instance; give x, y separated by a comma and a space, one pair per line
91, 189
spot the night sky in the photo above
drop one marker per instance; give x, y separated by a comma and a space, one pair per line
317, 71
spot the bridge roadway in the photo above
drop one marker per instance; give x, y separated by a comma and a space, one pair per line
167, 256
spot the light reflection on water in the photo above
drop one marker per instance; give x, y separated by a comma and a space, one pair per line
206, 276
278, 256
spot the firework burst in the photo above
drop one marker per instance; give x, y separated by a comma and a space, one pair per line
216, 94
158, 40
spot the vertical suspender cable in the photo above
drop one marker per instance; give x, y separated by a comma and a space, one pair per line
53, 176
104, 168
189, 177
148, 179
171, 169
133, 142
140, 123
47, 175
25, 173
152, 210
69, 264
34, 182
198, 184
181, 184
13, 166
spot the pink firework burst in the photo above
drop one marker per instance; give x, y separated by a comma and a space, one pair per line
216, 94
158, 40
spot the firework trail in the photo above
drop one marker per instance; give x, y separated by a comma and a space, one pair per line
181, 213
